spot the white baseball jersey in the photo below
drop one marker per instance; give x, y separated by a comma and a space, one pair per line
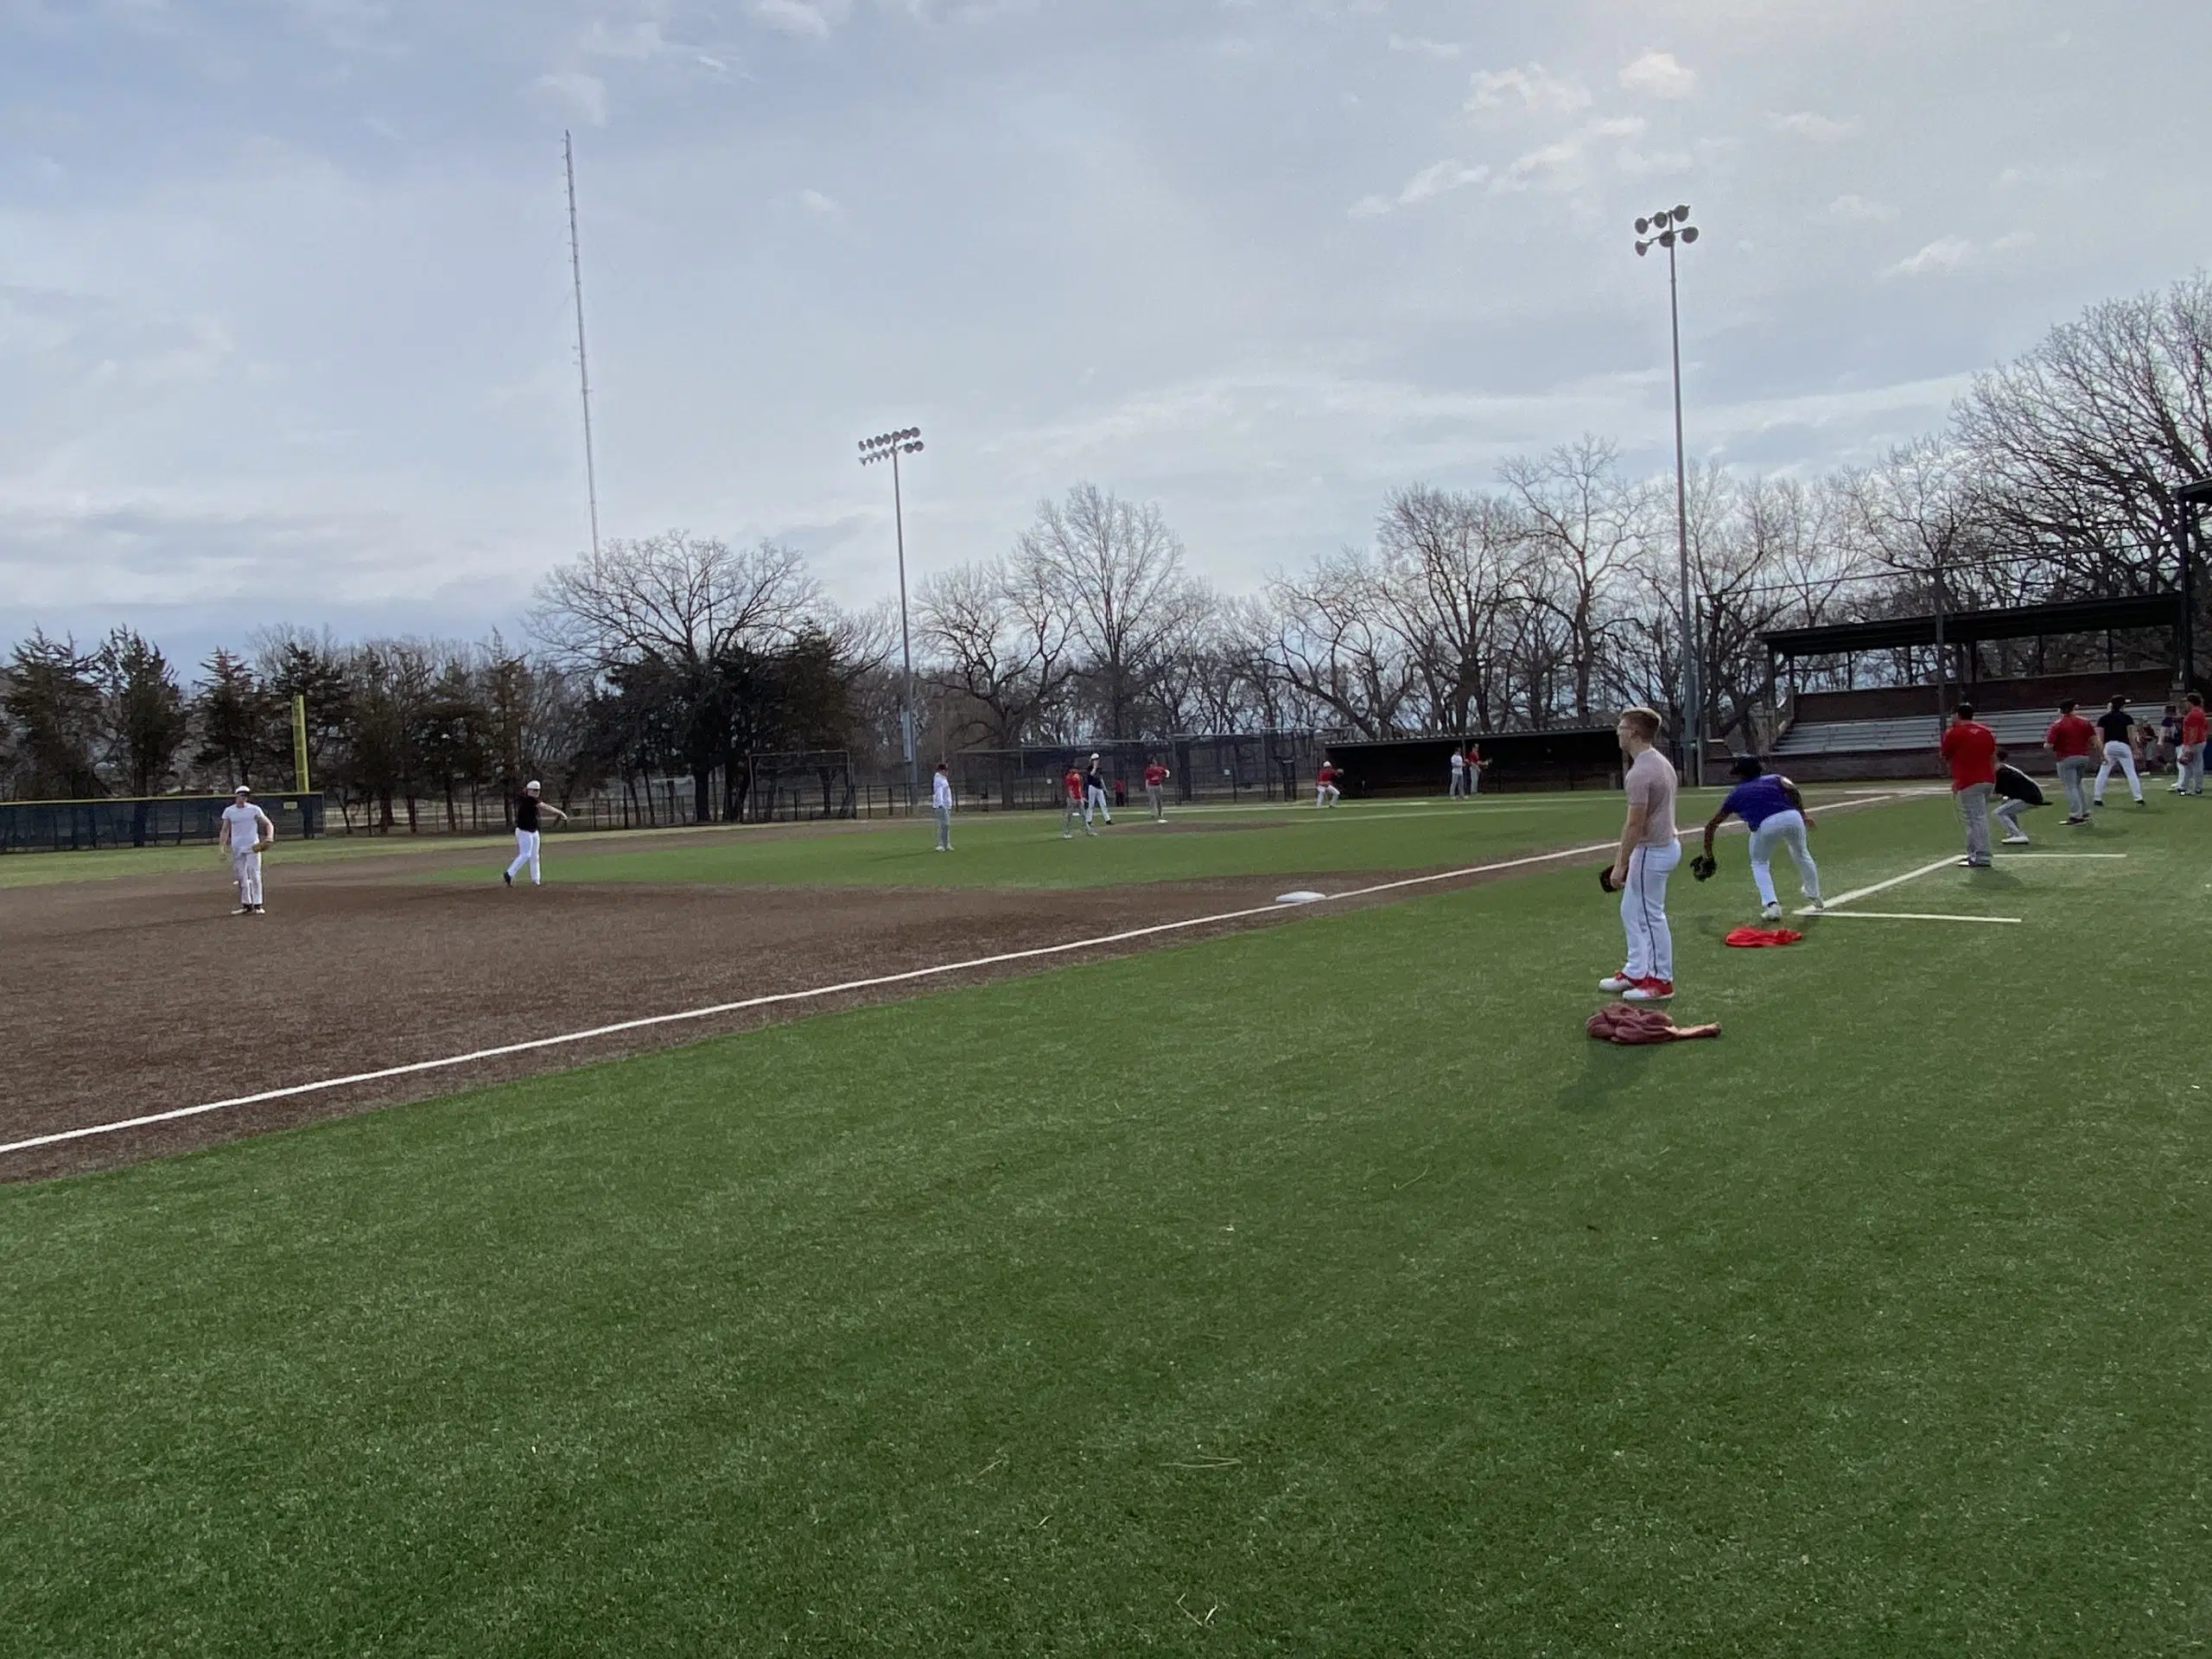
248, 825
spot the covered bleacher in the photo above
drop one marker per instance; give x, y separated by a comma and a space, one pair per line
1890, 730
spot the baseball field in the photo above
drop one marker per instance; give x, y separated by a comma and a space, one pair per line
797, 1241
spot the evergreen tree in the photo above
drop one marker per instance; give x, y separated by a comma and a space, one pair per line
53, 701
145, 715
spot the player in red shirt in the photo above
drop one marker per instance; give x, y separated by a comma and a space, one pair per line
1971, 749
1324, 785
1074, 813
2188, 758
1155, 790
2074, 741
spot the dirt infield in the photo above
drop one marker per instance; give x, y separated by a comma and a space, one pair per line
144, 996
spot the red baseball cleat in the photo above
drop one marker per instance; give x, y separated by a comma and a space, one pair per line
1649, 990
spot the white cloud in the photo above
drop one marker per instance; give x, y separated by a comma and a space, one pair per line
822, 205
1858, 210
1421, 45
1807, 123
1528, 90
1659, 75
808, 18
584, 94
1431, 182
2021, 178
1949, 253
1944, 253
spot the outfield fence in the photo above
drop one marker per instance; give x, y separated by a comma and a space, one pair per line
147, 821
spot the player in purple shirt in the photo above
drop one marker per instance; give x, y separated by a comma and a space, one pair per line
1771, 808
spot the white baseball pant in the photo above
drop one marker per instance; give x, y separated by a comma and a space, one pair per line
525, 854
1785, 830
2119, 754
245, 870
1643, 912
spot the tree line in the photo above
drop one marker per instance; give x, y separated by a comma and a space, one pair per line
1545, 598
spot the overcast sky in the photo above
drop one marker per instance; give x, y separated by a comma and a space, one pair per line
284, 309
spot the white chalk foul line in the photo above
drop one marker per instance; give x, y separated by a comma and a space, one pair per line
447, 1062
1911, 916
1883, 886
774, 999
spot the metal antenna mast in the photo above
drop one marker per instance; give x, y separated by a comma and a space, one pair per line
583, 363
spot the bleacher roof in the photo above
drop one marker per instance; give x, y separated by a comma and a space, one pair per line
2020, 622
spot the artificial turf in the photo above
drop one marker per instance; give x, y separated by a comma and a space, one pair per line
1320, 1290
1025, 849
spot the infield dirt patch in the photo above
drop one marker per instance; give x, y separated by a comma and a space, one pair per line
137, 995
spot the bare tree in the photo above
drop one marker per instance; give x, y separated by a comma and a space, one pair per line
1000, 639
1332, 640
1117, 569
1586, 520
679, 598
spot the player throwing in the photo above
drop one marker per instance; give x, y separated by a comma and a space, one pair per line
246, 835
529, 811
1648, 853
1775, 813
1326, 792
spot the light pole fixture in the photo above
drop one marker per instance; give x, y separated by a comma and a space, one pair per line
1664, 229
889, 447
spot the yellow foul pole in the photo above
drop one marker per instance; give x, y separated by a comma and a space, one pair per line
300, 744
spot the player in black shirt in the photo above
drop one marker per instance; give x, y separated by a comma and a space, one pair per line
2019, 792
528, 809
2118, 727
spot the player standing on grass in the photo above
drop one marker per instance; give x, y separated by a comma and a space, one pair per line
941, 807
1648, 852
529, 811
1774, 812
1970, 747
1078, 810
2188, 758
2073, 740
1155, 790
1458, 771
1475, 765
1326, 792
1094, 792
2017, 792
246, 833
2119, 726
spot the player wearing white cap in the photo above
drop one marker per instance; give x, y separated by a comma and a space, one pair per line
529, 811
246, 833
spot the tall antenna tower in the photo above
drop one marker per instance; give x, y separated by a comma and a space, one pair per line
583, 362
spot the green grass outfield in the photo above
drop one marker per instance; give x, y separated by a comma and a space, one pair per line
1025, 849
1318, 1290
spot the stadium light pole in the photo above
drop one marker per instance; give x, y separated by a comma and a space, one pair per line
889, 447
1664, 229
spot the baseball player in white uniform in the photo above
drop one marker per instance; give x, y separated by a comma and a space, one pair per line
246, 833
529, 811
941, 807
1647, 855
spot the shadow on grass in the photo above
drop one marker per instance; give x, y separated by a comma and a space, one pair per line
1607, 1068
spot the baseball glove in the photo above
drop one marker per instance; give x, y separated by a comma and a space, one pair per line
1703, 865
1605, 878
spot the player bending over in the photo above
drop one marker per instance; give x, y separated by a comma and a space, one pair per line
1326, 792
1648, 852
246, 833
528, 811
2018, 791
1774, 811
